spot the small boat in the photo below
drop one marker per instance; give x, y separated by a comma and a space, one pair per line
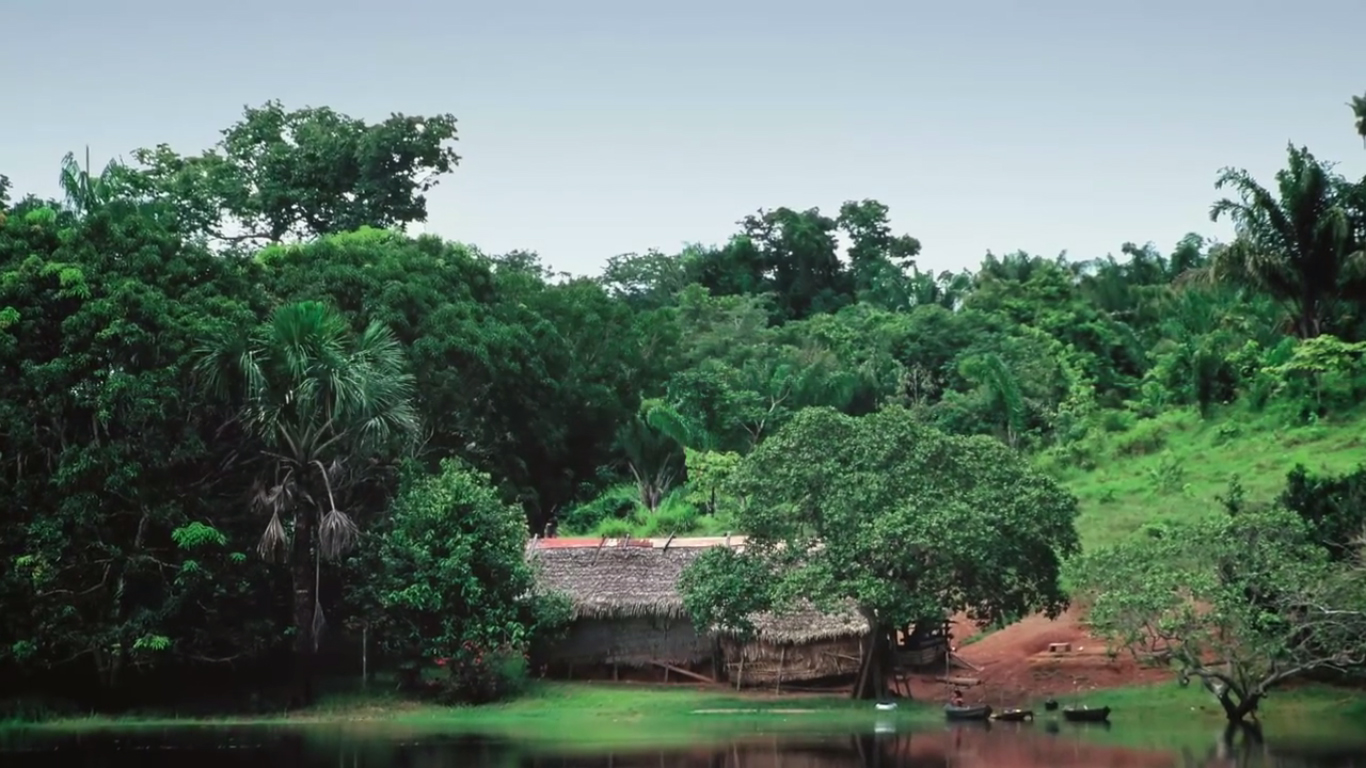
1086, 714
886, 706
1014, 715
982, 712
1051, 705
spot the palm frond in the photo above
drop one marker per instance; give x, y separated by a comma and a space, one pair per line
315, 395
337, 534
1294, 245
274, 544
1358, 106
683, 430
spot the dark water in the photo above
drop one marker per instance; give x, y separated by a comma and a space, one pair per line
1006, 746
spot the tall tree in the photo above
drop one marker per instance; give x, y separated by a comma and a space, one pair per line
1299, 246
878, 260
800, 258
279, 174
107, 450
900, 520
1243, 602
86, 191
648, 280
325, 407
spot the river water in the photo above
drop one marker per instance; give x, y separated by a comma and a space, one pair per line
967, 746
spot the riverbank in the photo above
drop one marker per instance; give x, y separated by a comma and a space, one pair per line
607, 713
587, 714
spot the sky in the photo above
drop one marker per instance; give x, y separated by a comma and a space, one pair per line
597, 127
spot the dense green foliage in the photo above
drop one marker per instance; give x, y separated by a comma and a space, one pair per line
446, 578
892, 516
902, 519
197, 348
1243, 602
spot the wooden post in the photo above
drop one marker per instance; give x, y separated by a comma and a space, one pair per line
364, 654
782, 660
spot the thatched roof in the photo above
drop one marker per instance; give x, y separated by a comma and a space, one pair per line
615, 581
605, 580
804, 624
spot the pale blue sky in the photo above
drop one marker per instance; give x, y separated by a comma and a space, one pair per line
597, 127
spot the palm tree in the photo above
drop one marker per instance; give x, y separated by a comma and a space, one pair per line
85, 192
1002, 386
1299, 246
324, 404
1358, 105
947, 289
651, 457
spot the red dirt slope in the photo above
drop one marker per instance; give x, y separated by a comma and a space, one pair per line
1015, 665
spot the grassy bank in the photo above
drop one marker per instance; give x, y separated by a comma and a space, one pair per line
589, 715
597, 712
1176, 465
1165, 700
1167, 716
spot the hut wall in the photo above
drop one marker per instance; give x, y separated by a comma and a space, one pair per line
631, 641
766, 664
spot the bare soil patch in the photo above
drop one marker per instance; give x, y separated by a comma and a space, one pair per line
1015, 664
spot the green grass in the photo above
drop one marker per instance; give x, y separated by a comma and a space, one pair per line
1163, 701
1176, 465
619, 512
579, 717
1171, 467
1168, 716
575, 714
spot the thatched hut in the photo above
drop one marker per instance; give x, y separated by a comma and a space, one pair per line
801, 645
628, 614
627, 608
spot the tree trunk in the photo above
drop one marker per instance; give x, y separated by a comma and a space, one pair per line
1239, 711
1309, 315
874, 667
301, 571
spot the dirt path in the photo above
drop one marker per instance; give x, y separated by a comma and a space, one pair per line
1015, 664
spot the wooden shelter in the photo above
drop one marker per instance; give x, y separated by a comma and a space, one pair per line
628, 616
627, 610
803, 645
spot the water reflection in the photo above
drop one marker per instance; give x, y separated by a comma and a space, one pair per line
1002, 745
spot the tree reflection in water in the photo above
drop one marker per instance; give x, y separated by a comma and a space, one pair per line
1002, 745
999, 745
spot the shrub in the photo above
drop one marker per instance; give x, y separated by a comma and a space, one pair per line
478, 676
617, 502
447, 578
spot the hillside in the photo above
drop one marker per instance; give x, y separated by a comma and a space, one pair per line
1177, 465
1172, 467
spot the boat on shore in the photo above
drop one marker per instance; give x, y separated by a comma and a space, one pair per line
981, 712
1086, 714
